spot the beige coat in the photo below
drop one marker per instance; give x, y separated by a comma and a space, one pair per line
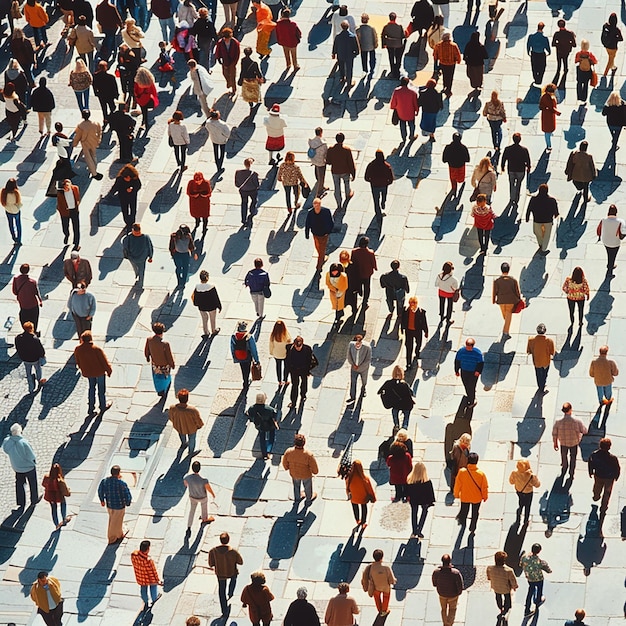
85, 41
89, 134
603, 371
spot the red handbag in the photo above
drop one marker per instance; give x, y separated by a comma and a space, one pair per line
519, 307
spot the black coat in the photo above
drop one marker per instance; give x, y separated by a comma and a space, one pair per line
396, 394
423, 15
29, 348
430, 100
105, 86
420, 320
42, 100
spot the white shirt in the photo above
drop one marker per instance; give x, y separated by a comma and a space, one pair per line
611, 226
69, 198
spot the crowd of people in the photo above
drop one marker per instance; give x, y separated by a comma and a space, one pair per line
115, 67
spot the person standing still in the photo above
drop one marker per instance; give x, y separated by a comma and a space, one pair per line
342, 168
359, 357
345, 49
568, 432
114, 493
319, 222
393, 38
247, 182
542, 350
506, 294
449, 584
223, 560
368, 42
207, 300
468, 364
198, 487
603, 371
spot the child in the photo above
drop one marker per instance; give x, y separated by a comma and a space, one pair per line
165, 62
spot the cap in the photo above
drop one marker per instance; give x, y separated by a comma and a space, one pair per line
275, 108
541, 329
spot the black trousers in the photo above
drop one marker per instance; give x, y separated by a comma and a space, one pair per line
363, 516
65, 225
30, 315
538, 66
395, 59
365, 285
52, 618
126, 147
300, 378
470, 380
107, 104
524, 500
462, 517
611, 255
412, 337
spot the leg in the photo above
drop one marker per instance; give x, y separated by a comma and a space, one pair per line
409, 338
101, 382
355, 512
221, 590
337, 184
245, 373
475, 511
422, 521
563, 450
571, 304
193, 504
573, 453
581, 309
20, 491
526, 500
406, 414
91, 395
462, 516
611, 254
353, 378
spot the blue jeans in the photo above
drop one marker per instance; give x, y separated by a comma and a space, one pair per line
55, 513
82, 97
143, 592
266, 439
337, 180
100, 383
535, 589
548, 138
141, 14
496, 132
395, 415
403, 124
40, 35
189, 440
181, 261
33, 374
221, 591
307, 484
167, 28
108, 45
15, 226
604, 391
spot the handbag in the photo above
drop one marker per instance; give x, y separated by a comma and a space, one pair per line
256, 371
267, 292
64, 490
476, 192
594, 79
306, 190
170, 141
395, 118
457, 295
519, 307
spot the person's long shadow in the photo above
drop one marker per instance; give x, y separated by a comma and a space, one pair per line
190, 374
18, 414
575, 132
570, 229
590, 442
72, 453
228, 428
235, 248
435, 351
383, 90
359, 97
43, 212
420, 164
249, 486
179, 565
319, 32
533, 278
555, 506
305, 301
467, 114
111, 258
124, 316
591, 547
240, 135
32, 162
513, 545
350, 425
448, 215
11, 529
59, 387
528, 106
63, 329
95, 583
567, 357
52, 274
607, 182
279, 241
497, 364
463, 558
169, 487
400, 160
462, 33
280, 91
408, 567
600, 306
146, 431
531, 428
540, 174
170, 309
506, 227
286, 533
473, 283
346, 560
168, 195
516, 29
44, 561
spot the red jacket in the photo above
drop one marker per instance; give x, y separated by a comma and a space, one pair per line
62, 202
143, 95
404, 101
287, 33
483, 217
227, 56
145, 569
399, 468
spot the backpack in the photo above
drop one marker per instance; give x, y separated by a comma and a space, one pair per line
606, 33
241, 347
584, 64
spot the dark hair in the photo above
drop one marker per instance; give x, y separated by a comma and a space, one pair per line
378, 555
535, 548
517, 138
286, 12
340, 137
500, 557
446, 560
605, 444
395, 264
41, 575
542, 190
204, 276
472, 458
612, 210
9, 89
318, 131
299, 440
258, 263
144, 545
24, 268
561, 23
505, 268
364, 242
578, 275
195, 466
224, 538
343, 588
336, 267
583, 146
397, 450
247, 51
86, 113
116, 470
158, 328
86, 336
183, 396
566, 408
447, 268
178, 116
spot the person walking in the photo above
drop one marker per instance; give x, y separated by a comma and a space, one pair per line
55, 492
317, 155
449, 584
610, 37
585, 63
299, 362
280, 339
533, 568
342, 168
137, 248
182, 248
319, 222
377, 580
397, 395
24, 463
258, 282
146, 97
223, 560
198, 488
396, 286
11, 200
93, 365
178, 138
579, 615
302, 466
106, 90
506, 294
26, 291
199, 193
114, 493
484, 221
337, 283
301, 612
89, 135
415, 326
576, 289
250, 78
544, 209
80, 81
524, 481
568, 432
264, 417
82, 306
581, 170
127, 185
603, 371
495, 113
219, 133
203, 29
393, 38
517, 158
542, 350
405, 105
359, 356
605, 469
471, 487
420, 492
159, 354
379, 174
248, 184
345, 49
45, 592
400, 464
360, 492
484, 179
447, 288
456, 155
564, 41
42, 101
341, 608
538, 47
468, 364
32, 353
447, 55
146, 574
431, 102
68, 201
290, 175
275, 125
549, 113
458, 457
423, 16
474, 56
611, 230
123, 125
110, 21
364, 260
202, 87
227, 52
288, 36
503, 582
243, 349
615, 112
368, 42
207, 301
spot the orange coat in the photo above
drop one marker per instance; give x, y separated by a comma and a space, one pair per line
359, 489
264, 19
36, 15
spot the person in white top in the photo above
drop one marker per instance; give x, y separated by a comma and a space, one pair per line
219, 132
202, 85
611, 230
447, 287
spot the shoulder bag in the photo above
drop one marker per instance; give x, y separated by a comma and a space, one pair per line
474, 481
64, 490
476, 192
256, 370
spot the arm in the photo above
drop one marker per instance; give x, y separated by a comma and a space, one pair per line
209, 489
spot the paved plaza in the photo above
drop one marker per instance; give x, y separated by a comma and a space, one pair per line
423, 229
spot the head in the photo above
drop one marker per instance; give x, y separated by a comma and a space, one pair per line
275, 110
465, 440
136, 229
317, 205
42, 578
319, 131
29, 328
55, 471
335, 270
144, 77
86, 337
248, 163
299, 441
604, 350
392, 17
523, 465
535, 548
183, 396
24, 269
364, 242
214, 114
475, 37
447, 268
365, 18
402, 435
438, 21
247, 51
258, 263
542, 190
446, 36
257, 578
566, 408
357, 469
227, 33
605, 444
290, 157
343, 10
404, 81
485, 164
144, 546
446, 560
301, 593
583, 146
378, 555
584, 45
340, 138
192, 64
541, 329
192, 621
285, 14
242, 326
103, 66
418, 474
129, 171
413, 302
195, 467
9, 90
16, 430
612, 210
398, 450
224, 538
261, 398
578, 275
481, 199
500, 558
86, 114
579, 614
198, 177
517, 138
116, 471
178, 116
431, 84
343, 588
279, 331
344, 257
18, 33
397, 373
549, 88
561, 23
470, 342
158, 328
204, 276
540, 26
614, 100
80, 66
472, 458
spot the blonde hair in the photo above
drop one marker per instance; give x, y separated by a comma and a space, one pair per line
418, 474
397, 373
465, 438
80, 65
144, 77
484, 165
344, 255
614, 100
584, 45
402, 435
412, 300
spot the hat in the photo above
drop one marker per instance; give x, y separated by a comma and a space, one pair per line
75, 254
275, 108
242, 327
541, 329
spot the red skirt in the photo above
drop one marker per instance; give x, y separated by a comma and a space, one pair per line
275, 143
457, 174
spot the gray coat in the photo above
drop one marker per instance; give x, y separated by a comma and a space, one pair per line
368, 37
364, 354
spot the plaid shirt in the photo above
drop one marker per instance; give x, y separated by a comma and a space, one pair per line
569, 430
145, 569
114, 492
502, 578
447, 53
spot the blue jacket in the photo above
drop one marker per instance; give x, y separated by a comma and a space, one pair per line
345, 46
538, 42
256, 280
469, 360
251, 354
20, 453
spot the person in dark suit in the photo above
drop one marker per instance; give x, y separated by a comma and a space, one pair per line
345, 50
414, 325
364, 261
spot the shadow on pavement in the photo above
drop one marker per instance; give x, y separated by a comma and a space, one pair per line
178, 566
531, 428
286, 534
346, 560
407, 567
96, 582
249, 486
